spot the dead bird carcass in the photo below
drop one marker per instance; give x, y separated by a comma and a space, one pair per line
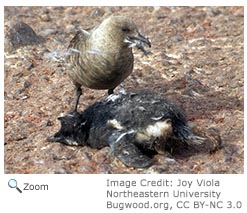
135, 125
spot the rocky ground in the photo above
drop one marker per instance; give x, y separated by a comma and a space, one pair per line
197, 61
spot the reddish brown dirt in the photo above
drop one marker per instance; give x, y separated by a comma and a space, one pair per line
197, 62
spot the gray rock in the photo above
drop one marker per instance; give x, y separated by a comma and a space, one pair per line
20, 35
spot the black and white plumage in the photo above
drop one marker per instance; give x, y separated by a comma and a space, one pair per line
135, 126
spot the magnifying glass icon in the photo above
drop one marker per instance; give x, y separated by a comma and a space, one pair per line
13, 184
